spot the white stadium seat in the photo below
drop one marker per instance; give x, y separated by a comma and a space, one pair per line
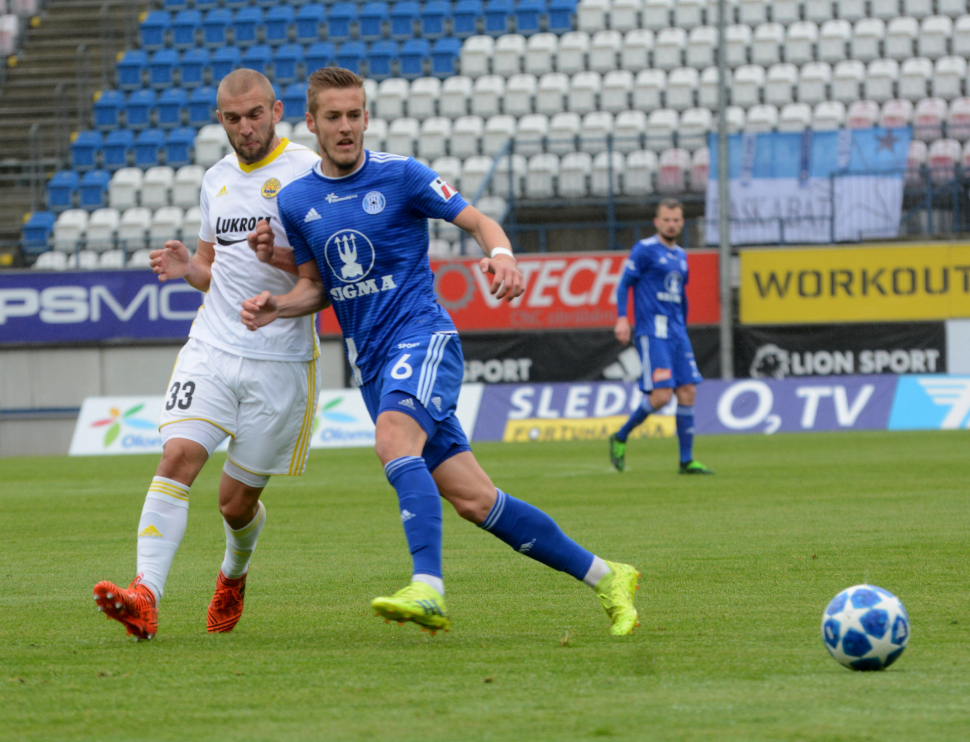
900, 38
919, 9
662, 124
571, 55
916, 159
133, 228
958, 120
767, 43
700, 170
157, 186
738, 39
591, 15
639, 173
541, 175
140, 259
657, 14
520, 93
828, 116
616, 92
508, 55
668, 48
370, 93
690, 13
800, 41
498, 130
540, 51
851, 10
530, 134
637, 45
402, 135
166, 225
648, 88
965, 161
951, 8
761, 118
786, 12
934, 37
455, 94
914, 78
438, 248
487, 95
500, 179
112, 259
449, 168
960, 43
302, 135
813, 82
476, 53
574, 173
392, 95
863, 114
795, 117
948, 76
884, 9
494, 207
584, 90
867, 35
625, 15
374, 136
466, 136
594, 131
602, 165
695, 125
681, 88
942, 158
186, 186
752, 12
748, 83
191, 225
69, 229
707, 91
604, 51
101, 230
563, 131
881, 80
125, 188
211, 145
780, 83
423, 98
551, 94
736, 117
834, 41
83, 259
628, 130
701, 43
672, 171
473, 172
928, 118
819, 11
433, 137
51, 260
896, 113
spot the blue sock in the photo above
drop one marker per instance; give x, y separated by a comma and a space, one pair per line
420, 511
531, 532
639, 415
685, 433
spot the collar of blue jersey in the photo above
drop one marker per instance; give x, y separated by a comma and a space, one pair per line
318, 169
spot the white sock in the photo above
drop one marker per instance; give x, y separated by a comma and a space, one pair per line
241, 544
436, 582
597, 571
160, 530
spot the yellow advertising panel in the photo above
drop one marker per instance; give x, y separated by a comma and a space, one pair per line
855, 284
585, 429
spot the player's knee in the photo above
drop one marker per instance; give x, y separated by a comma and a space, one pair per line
181, 460
660, 397
397, 435
686, 395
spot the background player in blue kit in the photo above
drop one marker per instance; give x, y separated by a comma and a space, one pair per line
363, 218
657, 273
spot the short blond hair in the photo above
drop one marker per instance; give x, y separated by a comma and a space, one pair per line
326, 78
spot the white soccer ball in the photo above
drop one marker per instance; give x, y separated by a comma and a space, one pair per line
865, 628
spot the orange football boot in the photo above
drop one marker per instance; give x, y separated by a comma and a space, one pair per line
226, 607
134, 607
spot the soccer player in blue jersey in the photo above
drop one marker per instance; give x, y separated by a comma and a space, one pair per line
358, 224
657, 273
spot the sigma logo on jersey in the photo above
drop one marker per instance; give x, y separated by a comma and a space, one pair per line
374, 202
439, 186
673, 283
350, 257
230, 225
270, 188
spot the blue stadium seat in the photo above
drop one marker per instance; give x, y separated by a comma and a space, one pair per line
193, 66
497, 14
114, 151
339, 19
294, 102
202, 106
84, 150
308, 21
529, 15
286, 63
107, 109
245, 25
131, 67
147, 146
174, 5
61, 189
36, 231
258, 58
236, 4
206, 5
94, 188
152, 30
275, 3
214, 27
380, 61
413, 55
178, 146
444, 55
171, 104
185, 29
373, 17
465, 18
138, 109
351, 54
321, 54
160, 68
277, 24
433, 18
277, 92
561, 16
403, 16
224, 61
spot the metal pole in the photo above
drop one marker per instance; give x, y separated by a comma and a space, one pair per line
724, 227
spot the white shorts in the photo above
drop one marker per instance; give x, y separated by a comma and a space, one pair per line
266, 407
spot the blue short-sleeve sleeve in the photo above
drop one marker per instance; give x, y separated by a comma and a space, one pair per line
430, 195
301, 249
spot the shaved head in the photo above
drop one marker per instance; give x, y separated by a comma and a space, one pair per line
240, 82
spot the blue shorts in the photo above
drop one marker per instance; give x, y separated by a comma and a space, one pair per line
421, 377
667, 362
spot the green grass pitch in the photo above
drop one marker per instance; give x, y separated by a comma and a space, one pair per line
737, 569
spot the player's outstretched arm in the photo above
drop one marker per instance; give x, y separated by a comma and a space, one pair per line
306, 297
173, 261
508, 282
261, 242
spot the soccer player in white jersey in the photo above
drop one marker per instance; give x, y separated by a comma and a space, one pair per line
259, 390
360, 219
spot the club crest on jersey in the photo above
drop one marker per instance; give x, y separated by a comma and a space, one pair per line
374, 202
673, 285
270, 188
350, 257
439, 186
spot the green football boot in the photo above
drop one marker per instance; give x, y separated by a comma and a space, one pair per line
617, 453
694, 467
418, 602
616, 592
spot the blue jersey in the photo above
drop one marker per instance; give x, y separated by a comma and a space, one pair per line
368, 232
657, 274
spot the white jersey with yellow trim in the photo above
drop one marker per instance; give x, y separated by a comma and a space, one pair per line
234, 197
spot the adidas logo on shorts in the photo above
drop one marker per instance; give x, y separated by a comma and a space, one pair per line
408, 402
436, 401
311, 216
